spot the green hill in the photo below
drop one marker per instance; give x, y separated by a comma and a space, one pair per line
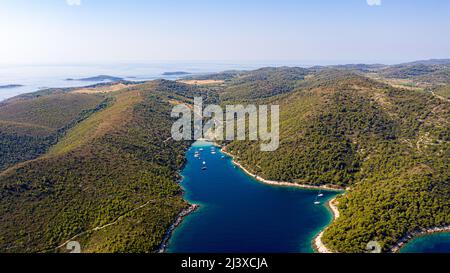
115, 164
432, 72
105, 168
29, 127
257, 84
443, 91
389, 145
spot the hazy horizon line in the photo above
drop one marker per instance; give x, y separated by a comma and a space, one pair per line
228, 62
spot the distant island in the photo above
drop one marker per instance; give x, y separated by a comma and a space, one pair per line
176, 73
379, 132
10, 86
97, 79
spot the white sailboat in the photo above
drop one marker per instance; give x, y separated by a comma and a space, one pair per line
317, 202
320, 194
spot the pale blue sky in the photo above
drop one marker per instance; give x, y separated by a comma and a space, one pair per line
306, 32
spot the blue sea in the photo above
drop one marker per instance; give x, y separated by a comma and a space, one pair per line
38, 77
433, 243
239, 214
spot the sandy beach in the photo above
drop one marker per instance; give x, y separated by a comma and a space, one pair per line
319, 246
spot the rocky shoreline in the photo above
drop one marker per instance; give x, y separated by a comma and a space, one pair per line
279, 183
319, 246
408, 238
162, 248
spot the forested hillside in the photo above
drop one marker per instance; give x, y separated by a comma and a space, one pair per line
29, 127
256, 85
104, 165
389, 146
119, 162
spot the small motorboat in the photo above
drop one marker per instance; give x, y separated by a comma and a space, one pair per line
317, 203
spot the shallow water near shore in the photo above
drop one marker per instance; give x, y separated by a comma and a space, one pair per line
432, 243
239, 214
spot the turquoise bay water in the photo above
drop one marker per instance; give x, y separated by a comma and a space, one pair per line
239, 214
433, 243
